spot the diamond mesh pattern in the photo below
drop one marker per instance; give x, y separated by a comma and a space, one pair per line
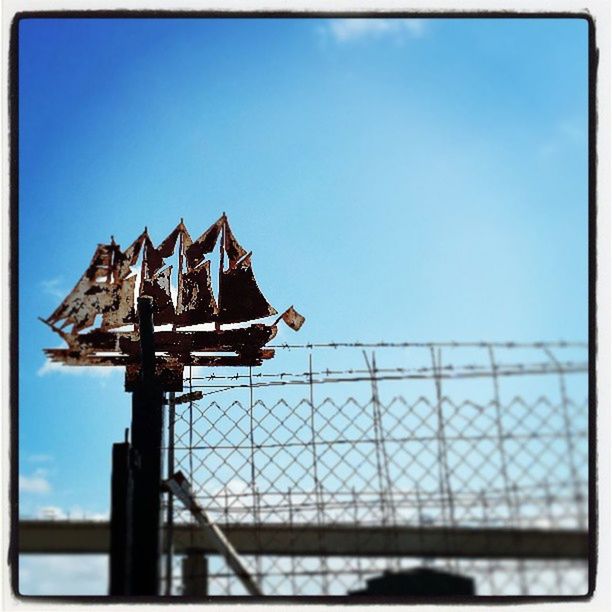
464, 443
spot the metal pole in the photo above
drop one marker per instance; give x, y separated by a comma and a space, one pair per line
120, 537
221, 265
147, 400
318, 491
195, 574
170, 507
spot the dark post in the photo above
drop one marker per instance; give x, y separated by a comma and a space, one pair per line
146, 441
170, 499
121, 501
195, 574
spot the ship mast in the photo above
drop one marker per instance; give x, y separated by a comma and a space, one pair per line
110, 273
180, 272
144, 261
221, 264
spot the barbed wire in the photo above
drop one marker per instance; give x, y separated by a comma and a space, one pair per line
448, 344
449, 368
472, 371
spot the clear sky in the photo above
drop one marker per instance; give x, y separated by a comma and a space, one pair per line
396, 180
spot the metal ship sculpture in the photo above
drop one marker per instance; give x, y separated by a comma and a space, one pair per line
98, 319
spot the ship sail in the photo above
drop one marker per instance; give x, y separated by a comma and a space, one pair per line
153, 260
122, 310
129, 257
158, 287
196, 251
89, 297
240, 298
196, 301
234, 251
108, 286
166, 248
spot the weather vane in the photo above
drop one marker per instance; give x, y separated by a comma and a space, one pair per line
99, 322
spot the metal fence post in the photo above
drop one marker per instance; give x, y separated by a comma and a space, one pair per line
121, 501
147, 401
195, 574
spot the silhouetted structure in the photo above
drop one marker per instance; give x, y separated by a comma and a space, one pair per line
420, 582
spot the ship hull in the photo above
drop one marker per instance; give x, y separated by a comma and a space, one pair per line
239, 340
174, 349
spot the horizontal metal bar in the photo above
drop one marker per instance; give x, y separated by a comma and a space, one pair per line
93, 537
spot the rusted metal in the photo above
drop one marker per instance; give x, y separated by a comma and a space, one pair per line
240, 339
167, 377
203, 245
193, 396
292, 318
129, 257
153, 260
90, 296
147, 425
233, 249
196, 303
242, 299
122, 310
221, 266
166, 248
158, 288
108, 289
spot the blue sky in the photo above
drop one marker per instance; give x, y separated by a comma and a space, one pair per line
396, 180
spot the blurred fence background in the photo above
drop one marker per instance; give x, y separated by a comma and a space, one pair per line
382, 438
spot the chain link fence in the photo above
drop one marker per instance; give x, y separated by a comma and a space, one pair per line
481, 435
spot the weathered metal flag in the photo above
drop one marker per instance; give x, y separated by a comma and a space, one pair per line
97, 319
293, 318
